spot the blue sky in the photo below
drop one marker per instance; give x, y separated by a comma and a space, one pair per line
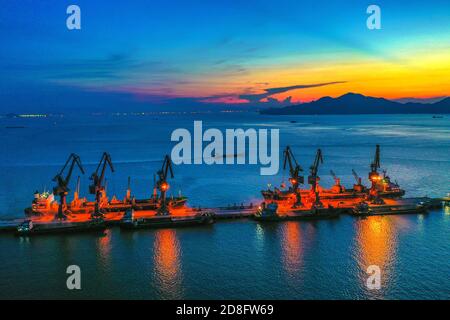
192, 54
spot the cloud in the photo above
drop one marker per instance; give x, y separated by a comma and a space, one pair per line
271, 91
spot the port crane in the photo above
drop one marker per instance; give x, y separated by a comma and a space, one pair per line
313, 178
375, 178
128, 194
295, 178
163, 185
98, 187
337, 188
358, 187
62, 187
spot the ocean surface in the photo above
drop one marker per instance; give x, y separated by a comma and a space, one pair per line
235, 259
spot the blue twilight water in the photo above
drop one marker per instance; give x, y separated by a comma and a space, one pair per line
239, 259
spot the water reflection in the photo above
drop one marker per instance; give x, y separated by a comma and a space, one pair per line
259, 236
292, 247
167, 274
104, 246
376, 245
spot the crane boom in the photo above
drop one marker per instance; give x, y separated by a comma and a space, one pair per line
313, 178
318, 160
63, 182
376, 161
355, 175
333, 175
294, 173
97, 187
62, 187
294, 167
97, 179
374, 176
162, 184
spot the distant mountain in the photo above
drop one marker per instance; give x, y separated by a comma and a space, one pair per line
353, 103
419, 100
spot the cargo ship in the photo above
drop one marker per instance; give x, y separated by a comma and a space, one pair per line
45, 203
382, 186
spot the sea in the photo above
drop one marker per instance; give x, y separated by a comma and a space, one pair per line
238, 259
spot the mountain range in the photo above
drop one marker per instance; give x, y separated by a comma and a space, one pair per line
354, 103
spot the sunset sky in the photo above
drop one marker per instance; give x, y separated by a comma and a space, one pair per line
206, 53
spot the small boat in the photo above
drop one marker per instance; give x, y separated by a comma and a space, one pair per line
270, 213
28, 228
165, 221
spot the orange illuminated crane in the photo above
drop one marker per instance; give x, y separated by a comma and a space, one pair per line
358, 187
62, 187
163, 185
294, 171
97, 187
313, 179
374, 177
337, 188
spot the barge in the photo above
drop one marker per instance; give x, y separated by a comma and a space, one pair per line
28, 228
270, 213
165, 221
365, 209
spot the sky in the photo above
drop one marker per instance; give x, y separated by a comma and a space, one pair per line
195, 55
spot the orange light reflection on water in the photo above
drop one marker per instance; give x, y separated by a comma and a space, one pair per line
167, 263
292, 247
377, 245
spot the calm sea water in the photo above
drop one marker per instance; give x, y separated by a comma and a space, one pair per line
237, 259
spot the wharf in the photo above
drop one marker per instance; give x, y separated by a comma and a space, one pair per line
344, 206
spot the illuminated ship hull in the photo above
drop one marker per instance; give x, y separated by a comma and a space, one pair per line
327, 195
112, 206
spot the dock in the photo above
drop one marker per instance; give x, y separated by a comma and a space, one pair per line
112, 219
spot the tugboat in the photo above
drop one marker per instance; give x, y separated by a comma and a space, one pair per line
165, 221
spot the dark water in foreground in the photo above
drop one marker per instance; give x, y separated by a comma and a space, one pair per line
237, 259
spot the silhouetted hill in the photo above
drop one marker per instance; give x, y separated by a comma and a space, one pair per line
353, 103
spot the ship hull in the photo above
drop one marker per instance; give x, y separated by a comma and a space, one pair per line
300, 215
62, 227
166, 222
